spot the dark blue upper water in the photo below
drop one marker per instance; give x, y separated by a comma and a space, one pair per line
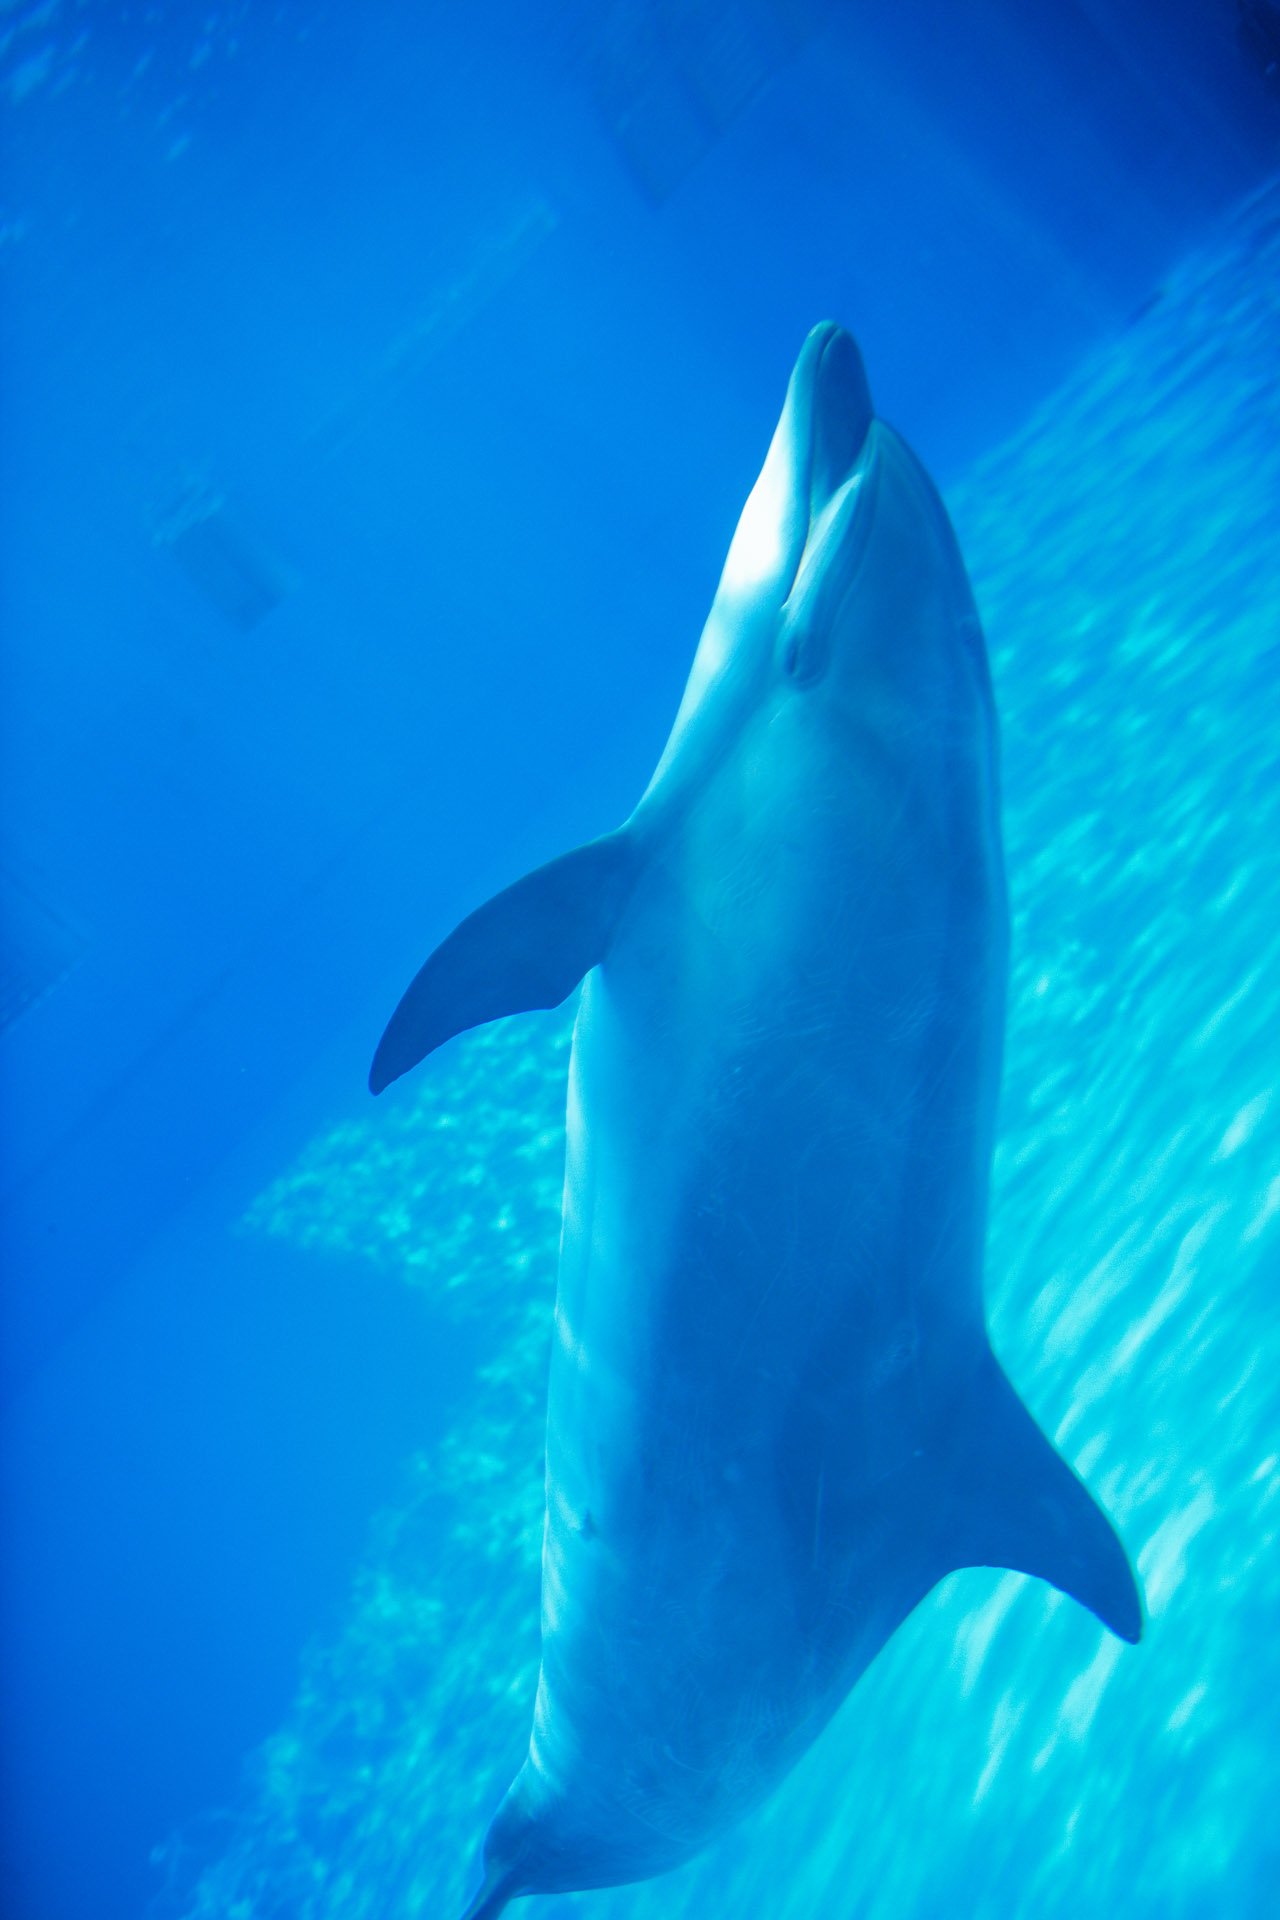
380, 389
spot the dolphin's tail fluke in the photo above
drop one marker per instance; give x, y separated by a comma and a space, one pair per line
1010, 1500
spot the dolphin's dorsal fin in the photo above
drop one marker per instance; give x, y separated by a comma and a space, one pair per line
1011, 1500
527, 947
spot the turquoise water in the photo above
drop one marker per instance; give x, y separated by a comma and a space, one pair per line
1003, 1756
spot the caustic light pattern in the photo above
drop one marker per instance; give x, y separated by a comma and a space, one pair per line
1003, 1755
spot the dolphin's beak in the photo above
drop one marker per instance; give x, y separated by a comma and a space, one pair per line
815, 448
843, 477
839, 413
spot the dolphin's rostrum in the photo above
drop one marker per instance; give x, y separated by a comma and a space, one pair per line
774, 1418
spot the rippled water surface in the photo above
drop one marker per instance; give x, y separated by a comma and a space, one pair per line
1003, 1756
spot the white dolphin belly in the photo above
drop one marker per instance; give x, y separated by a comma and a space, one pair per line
714, 1270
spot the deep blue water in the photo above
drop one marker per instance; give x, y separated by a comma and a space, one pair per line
380, 388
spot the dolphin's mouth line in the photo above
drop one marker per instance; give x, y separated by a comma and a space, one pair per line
829, 567
849, 505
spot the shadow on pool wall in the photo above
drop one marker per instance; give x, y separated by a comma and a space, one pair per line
1003, 1755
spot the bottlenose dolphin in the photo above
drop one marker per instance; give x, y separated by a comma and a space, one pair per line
774, 1419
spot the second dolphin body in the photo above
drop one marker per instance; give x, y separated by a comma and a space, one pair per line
774, 1417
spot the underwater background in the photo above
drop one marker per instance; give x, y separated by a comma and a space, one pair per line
380, 389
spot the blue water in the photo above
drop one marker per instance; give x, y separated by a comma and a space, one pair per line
381, 386
1004, 1755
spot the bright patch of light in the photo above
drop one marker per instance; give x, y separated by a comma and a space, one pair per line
1242, 1127
758, 549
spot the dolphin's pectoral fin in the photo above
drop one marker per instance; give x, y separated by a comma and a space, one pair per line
1012, 1501
527, 947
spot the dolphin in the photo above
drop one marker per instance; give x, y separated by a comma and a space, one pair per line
774, 1417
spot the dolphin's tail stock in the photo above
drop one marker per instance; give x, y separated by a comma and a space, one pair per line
499, 1887
1010, 1500
510, 1856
